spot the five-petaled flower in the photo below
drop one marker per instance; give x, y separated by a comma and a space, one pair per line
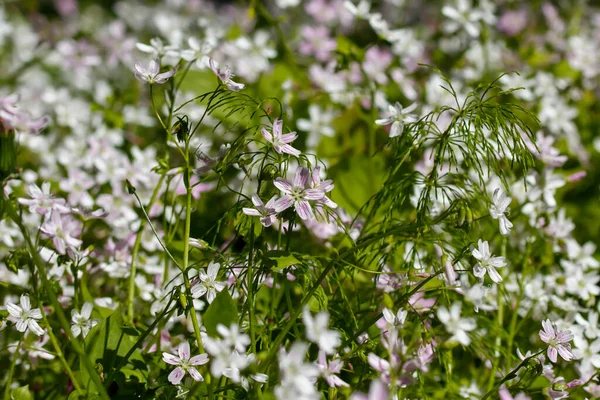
184, 364
455, 324
24, 317
208, 284
42, 201
266, 212
281, 142
487, 262
81, 321
499, 207
398, 116
296, 194
558, 341
152, 74
225, 75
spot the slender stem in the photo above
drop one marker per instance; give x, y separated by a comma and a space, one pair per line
134, 254
39, 263
251, 292
512, 374
186, 255
11, 371
59, 352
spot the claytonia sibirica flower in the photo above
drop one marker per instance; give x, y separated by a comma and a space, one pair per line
198, 52
398, 117
487, 262
558, 341
317, 332
329, 370
296, 194
280, 141
156, 48
42, 201
152, 74
266, 212
456, 325
81, 321
208, 284
60, 232
499, 207
184, 364
325, 186
297, 377
24, 317
225, 75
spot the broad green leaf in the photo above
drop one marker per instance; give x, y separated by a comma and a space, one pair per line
356, 180
21, 393
106, 346
280, 259
223, 310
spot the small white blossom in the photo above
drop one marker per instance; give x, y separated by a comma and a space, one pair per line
81, 321
184, 364
456, 325
24, 317
487, 262
498, 209
317, 332
208, 284
398, 116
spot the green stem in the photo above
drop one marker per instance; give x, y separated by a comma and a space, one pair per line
251, 292
512, 374
59, 352
39, 263
134, 254
11, 371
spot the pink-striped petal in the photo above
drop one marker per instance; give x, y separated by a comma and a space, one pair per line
171, 359
184, 351
304, 210
176, 375
283, 185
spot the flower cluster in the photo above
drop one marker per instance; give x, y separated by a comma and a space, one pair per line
170, 227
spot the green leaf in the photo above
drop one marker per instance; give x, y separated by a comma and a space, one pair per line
21, 393
245, 224
106, 346
223, 310
357, 179
280, 259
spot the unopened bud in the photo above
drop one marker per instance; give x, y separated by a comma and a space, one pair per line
198, 244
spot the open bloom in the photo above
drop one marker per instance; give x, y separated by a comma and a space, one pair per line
208, 284
184, 364
487, 262
317, 332
225, 75
499, 207
24, 317
280, 141
42, 201
265, 212
330, 370
61, 231
81, 321
398, 116
152, 73
558, 341
296, 194
456, 325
